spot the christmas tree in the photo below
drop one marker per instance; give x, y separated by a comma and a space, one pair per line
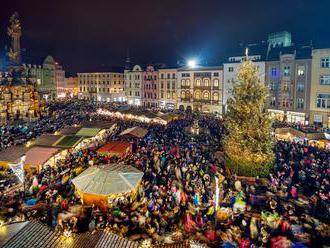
249, 143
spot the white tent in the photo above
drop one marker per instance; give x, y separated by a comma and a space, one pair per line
108, 179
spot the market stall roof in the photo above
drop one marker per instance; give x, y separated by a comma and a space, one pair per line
97, 124
138, 132
69, 130
108, 179
39, 155
37, 235
47, 140
115, 147
68, 141
88, 132
13, 153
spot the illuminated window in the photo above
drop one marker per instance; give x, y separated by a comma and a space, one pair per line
183, 94
206, 95
187, 82
300, 103
198, 95
286, 71
183, 82
198, 82
301, 70
206, 82
216, 82
216, 96
323, 101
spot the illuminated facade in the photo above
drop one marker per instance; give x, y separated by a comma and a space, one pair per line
133, 85
200, 89
320, 88
167, 88
19, 100
150, 87
101, 86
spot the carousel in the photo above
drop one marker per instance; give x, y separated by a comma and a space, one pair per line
102, 185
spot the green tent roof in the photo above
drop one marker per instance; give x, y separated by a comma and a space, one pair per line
88, 132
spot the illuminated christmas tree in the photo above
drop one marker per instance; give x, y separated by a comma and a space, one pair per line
249, 144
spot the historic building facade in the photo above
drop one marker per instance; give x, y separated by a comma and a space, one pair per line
167, 88
150, 87
289, 85
133, 85
320, 88
200, 89
101, 86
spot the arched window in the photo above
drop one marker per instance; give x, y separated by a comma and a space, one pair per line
187, 82
216, 82
198, 82
206, 82
216, 96
183, 94
198, 95
206, 95
183, 82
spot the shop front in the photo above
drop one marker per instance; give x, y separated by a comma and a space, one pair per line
296, 117
277, 114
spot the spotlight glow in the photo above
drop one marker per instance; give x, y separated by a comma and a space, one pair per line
192, 63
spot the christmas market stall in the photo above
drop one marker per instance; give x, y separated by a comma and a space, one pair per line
36, 157
102, 185
137, 132
115, 148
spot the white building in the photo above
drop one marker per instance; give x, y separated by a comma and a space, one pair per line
133, 85
230, 70
200, 89
59, 81
101, 86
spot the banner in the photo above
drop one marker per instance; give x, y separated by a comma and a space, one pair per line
18, 169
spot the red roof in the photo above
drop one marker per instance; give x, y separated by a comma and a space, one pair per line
115, 147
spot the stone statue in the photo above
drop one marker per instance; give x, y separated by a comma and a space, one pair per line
15, 33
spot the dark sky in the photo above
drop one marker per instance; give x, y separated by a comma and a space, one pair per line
82, 35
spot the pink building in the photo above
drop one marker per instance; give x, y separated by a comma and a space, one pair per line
150, 87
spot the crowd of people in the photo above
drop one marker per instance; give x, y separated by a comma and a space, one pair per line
177, 198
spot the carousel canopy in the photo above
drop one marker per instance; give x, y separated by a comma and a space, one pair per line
108, 179
138, 132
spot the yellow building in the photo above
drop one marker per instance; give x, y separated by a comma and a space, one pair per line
320, 88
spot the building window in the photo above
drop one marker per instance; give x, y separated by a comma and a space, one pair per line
173, 75
274, 72
198, 82
230, 69
168, 96
300, 87
325, 63
216, 74
216, 82
168, 76
161, 94
187, 82
162, 85
216, 96
286, 71
183, 82
301, 70
198, 95
206, 95
273, 101
206, 82
162, 76
183, 94
323, 101
300, 103
325, 80
173, 85
285, 86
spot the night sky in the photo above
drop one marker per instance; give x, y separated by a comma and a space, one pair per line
82, 35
